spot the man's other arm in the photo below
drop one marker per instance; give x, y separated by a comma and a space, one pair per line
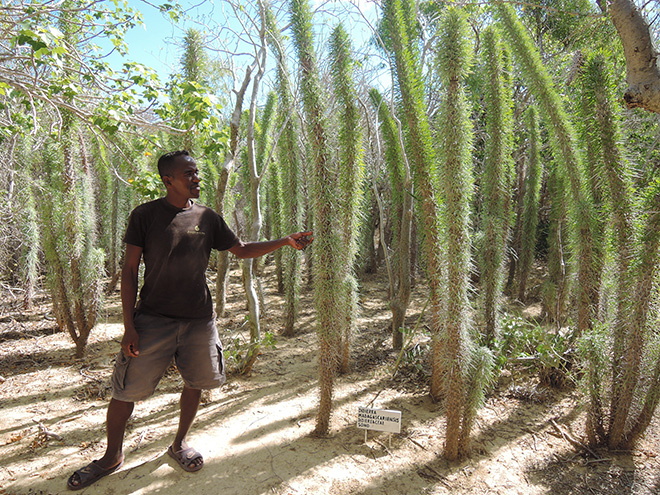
299, 240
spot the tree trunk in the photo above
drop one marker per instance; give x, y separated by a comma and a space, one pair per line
221, 189
642, 72
256, 220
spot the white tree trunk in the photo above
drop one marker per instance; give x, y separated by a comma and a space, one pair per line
642, 73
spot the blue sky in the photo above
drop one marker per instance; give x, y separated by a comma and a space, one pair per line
155, 43
152, 43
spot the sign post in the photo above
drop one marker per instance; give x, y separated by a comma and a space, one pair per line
379, 420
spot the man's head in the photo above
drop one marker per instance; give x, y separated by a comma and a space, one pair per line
168, 162
180, 176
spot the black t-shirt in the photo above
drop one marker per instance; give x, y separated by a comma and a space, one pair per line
176, 247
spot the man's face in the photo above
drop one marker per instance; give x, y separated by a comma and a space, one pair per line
185, 180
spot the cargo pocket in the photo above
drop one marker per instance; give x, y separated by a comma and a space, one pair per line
119, 374
221, 365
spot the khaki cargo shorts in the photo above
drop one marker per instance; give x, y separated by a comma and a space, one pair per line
194, 345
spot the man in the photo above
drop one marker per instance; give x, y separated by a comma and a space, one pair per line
174, 316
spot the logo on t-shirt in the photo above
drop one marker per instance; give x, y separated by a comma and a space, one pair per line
196, 231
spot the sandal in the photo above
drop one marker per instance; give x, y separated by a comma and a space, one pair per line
90, 474
186, 458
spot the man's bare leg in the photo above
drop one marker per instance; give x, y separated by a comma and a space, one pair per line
118, 414
189, 403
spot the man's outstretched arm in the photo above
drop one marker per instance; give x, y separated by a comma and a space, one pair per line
299, 240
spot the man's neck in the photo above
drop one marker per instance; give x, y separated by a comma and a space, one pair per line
178, 202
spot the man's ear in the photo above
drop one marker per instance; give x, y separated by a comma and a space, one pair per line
167, 180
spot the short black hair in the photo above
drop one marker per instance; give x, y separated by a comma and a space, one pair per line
166, 162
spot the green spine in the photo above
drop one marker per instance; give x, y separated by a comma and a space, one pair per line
423, 163
327, 245
565, 152
530, 203
351, 179
456, 185
290, 161
496, 181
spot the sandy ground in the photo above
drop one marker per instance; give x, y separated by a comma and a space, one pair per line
255, 432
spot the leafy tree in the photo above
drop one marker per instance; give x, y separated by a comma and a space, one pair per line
46, 73
69, 94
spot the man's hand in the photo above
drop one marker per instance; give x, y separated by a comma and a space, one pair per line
129, 343
300, 240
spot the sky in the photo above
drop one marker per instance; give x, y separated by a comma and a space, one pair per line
151, 43
156, 43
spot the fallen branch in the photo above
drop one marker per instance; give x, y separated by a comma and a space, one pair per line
442, 479
72, 418
593, 461
383, 445
574, 442
46, 433
374, 399
417, 443
137, 446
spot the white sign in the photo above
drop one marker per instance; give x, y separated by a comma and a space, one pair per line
379, 419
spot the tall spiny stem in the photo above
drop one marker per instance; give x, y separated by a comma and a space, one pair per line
351, 178
327, 245
496, 181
